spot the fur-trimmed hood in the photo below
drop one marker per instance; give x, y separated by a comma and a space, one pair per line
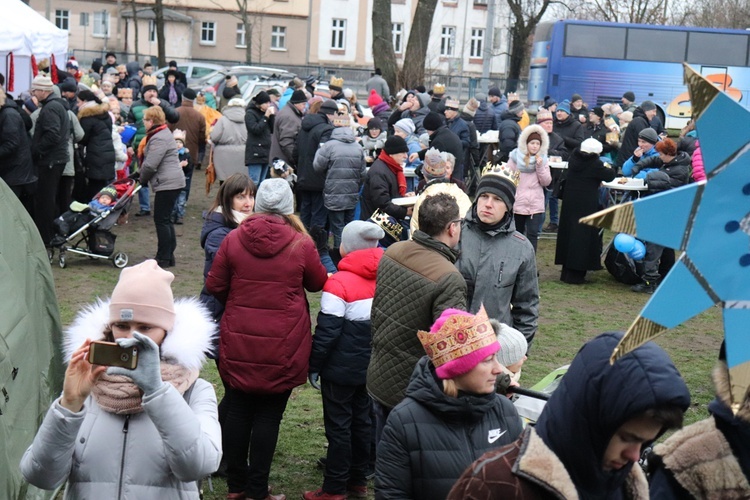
723, 391
94, 110
524, 137
186, 344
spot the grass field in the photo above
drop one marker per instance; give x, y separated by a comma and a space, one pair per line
569, 316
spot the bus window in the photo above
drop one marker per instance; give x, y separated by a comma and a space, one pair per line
717, 49
606, 42
656, 45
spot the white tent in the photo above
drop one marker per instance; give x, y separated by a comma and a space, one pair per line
24, 32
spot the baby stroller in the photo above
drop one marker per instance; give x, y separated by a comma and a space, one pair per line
530, 402
83, 231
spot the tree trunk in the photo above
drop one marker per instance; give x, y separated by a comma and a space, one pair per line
412, 72
160, 40
248, 39
524, 25
135, 29
383, 53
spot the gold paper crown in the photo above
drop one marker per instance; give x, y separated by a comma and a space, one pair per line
452, 104
502, 170
179, 135
458, 336
389, 224
148, 80
342, 120
125, 93
336, 82
438, 88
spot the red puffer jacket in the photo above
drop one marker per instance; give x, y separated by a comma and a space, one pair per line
261, 273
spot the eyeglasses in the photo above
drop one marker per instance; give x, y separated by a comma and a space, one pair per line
455, 221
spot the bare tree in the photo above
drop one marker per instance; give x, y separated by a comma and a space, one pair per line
244, 14
412, 71
526, 15
160, 40
135, 27
718, 14
383, 54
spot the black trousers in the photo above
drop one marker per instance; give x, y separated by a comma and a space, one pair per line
65, 193
45, 203
165, 235
346, 413
252, 424
26, 194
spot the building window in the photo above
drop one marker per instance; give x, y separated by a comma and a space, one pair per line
338, 34
208, 33
477, 42
448, 41
151, 30
397, 31
278, 37
62, 19
101, 23
240, 38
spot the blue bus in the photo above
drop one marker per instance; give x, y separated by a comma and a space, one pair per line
601, 61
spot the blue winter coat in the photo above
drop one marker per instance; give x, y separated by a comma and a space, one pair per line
595, 398
213, 233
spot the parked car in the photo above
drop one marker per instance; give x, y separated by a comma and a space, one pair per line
194, 71
257, 74
252, 87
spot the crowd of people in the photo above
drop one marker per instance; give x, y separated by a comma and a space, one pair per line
420, 397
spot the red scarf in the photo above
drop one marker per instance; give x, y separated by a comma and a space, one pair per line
397, 169
149, 134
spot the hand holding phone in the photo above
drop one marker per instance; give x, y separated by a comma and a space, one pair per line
147, 375
111, 354
80, 377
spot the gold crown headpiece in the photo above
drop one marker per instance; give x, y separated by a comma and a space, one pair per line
148, 80
502, 170
336, 82
438, 88
389, 224
458, 336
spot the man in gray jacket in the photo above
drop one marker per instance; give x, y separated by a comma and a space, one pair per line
497, 262
286, 127
378, 83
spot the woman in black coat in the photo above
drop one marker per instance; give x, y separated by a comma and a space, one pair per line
578, 245
99, 150
172, 89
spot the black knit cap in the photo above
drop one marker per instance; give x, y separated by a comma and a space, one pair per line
598, 111
432, 121
499, 186
189, 94
298, 97
395, 145
261, 97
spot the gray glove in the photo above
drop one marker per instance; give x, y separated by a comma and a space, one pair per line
147, 375
314, 379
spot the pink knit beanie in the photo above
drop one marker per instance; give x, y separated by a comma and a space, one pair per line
144, 294
458, 341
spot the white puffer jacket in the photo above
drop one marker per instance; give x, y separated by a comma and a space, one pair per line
158, 453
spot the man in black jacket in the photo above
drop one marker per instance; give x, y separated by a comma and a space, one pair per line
16, 167
568, 127
642, 117
556, 148
509, 130
442, 139
49, 150
316, 129
595, 128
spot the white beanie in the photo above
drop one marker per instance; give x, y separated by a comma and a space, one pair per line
591, 146
405, 124
513, 344
42, 82
359, 235
274, 196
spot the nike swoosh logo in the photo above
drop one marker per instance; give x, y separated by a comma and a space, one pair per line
492, 438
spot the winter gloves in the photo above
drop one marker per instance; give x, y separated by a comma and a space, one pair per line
147, 375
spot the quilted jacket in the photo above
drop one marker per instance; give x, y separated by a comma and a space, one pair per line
416, 282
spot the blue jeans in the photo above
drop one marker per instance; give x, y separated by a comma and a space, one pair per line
182, 198
337, 220
257, 172
143, 199
554, 208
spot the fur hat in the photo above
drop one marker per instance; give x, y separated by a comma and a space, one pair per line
144, 294
500, 181
458, 341
629, 95
274, 196
513, 344
591, 146
236, 102
515, 107
395, 145
432, 121
649, 135
298, 97
179, 135
530, 133
471, 107
359, 235
42, 82
189, 94
374, 98
405, 124
434, 165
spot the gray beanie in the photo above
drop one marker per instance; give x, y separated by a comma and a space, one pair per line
360, 235
648, 106
513, 345
649, 135
515, 107
274, 196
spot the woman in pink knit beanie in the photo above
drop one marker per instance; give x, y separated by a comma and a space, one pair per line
451, 414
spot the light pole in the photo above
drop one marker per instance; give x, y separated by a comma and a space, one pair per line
488, 46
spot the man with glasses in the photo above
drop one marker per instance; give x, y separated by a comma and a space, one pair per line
49, 150
416, 282
497, 262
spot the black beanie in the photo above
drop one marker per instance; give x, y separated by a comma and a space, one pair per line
499, 186
298, 97
432, 121
189, 94
395, 145
598, 111
261, 97
629, 95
